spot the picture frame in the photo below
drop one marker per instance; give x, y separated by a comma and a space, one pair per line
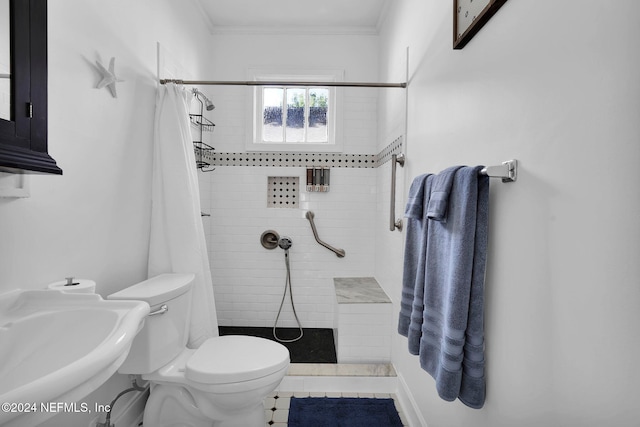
469, 16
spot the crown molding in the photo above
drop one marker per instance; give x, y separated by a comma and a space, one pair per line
294, 30
213, 28
383, 15
200, 9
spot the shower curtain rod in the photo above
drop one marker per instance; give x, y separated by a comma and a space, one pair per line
274, 83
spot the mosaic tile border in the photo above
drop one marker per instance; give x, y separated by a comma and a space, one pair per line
297, 159
385, 155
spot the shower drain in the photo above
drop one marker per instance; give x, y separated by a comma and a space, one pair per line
283, 192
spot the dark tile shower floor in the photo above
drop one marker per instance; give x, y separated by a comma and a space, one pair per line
315, 346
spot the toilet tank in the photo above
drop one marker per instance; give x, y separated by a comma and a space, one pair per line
164, 335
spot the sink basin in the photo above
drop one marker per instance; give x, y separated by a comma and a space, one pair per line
59, 347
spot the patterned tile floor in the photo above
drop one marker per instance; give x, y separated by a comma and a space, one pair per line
276, 405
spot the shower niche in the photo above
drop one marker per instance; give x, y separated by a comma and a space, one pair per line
283, 192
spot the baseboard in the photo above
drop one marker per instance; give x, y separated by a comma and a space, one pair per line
409, 405
138, 421
131, 411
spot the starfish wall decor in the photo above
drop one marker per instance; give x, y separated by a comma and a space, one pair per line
109, 78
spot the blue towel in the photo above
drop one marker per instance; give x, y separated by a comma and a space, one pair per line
439, 197
415, 245
452, 343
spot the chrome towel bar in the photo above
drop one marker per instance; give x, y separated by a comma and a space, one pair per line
508, 171
339, 252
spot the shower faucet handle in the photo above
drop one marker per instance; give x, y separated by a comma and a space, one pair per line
269, 239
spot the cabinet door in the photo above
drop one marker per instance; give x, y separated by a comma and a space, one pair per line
23, 135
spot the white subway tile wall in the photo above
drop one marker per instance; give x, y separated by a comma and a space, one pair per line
231, 116
364, 333
248, 279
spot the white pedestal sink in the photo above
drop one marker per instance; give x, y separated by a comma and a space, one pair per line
56, 348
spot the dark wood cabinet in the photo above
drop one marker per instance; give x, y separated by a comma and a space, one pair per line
23, 138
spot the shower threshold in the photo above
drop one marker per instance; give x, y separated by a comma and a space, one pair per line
316, 346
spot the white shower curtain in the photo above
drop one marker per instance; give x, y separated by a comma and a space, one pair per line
177, 243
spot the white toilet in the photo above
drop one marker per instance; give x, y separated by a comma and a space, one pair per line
221, 384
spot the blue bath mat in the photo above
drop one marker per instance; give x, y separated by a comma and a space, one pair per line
342, 412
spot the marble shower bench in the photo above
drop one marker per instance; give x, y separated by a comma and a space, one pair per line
363, 319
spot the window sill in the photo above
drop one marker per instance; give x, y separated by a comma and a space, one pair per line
295, 147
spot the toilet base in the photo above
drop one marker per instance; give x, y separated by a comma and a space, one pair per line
250, 418
175, 406
169, 406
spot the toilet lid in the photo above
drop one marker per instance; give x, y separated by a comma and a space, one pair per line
235, 358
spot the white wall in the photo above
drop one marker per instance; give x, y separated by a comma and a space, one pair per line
92, 222
555, 85
248, 279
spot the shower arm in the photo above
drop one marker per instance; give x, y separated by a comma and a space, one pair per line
339, 252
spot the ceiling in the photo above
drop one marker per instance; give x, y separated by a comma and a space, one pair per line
294, 16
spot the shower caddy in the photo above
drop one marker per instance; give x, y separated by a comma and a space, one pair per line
204, 125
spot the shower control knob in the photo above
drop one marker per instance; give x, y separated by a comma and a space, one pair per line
269, 239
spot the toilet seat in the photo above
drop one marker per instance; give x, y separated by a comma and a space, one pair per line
235, 358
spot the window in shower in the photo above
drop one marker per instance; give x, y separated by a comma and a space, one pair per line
295, 118
295, 114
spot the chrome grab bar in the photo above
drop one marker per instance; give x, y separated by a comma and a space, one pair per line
339, 252
393, 223
162, 310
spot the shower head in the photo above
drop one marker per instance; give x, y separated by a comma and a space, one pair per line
207, 102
